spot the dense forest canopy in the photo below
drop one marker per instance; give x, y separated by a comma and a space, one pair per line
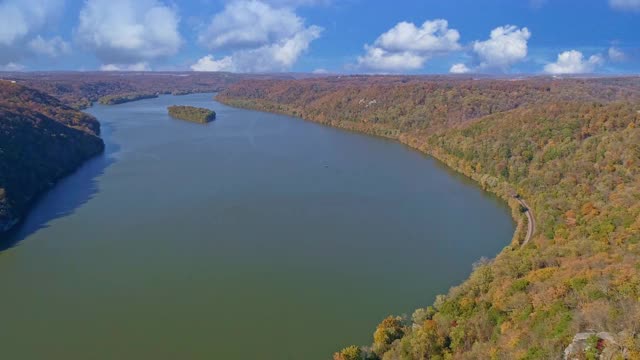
124, 98
570, 147
191, 113
80, 90
41, 140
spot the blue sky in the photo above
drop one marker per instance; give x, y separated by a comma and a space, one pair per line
348, 36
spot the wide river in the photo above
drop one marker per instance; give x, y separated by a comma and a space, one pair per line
257, 236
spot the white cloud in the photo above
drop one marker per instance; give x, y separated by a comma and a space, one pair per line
209, 63
279, 56
21, 17
250, 24
625, 5
320, 71
616, 55
506, 46
14, 23
128, 31
261, 38
432, 37
53, 47
19, 21
382, 60
573, 62
408, 47
459, 69
12, 67
141, 66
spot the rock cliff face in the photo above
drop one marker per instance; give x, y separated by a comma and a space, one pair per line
590, 345
41, 140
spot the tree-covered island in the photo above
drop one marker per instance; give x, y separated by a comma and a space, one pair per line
125, 98
191, 113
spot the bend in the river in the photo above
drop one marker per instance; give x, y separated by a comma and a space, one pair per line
255, 236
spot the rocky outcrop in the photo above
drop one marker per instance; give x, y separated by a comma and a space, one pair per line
592, 345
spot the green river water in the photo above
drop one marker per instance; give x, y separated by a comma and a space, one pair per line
257, 236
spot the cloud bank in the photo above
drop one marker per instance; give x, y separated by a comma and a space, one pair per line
573, 62
616, 55
260, 37
625, 5
459, 69
141, 66
506, 46
408, 47
19, 22
128, 31
52, 47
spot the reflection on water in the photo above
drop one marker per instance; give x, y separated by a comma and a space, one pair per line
65, 197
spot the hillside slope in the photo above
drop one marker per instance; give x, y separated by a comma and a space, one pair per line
387, 106
41, 140
569, 147
80, 89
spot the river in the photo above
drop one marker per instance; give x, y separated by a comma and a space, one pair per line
255, 236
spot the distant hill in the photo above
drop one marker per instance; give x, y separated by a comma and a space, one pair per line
388, 105
41, 140
125, 98
80, 89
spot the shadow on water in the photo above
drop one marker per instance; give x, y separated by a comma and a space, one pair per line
65, 197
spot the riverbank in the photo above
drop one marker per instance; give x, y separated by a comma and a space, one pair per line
125, 98
501, 189
41, 141
540, 148
322, 205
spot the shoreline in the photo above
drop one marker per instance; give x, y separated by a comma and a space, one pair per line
501, 189
7, 227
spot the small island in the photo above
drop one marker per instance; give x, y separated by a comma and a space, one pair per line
190, 113
124, 98
181, 92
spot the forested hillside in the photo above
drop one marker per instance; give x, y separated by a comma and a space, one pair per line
125, 98
41, 140
570, 147
191, 113
388, 105
80, 90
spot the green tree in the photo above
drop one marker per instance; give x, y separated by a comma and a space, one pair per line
389, 330
349, 353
